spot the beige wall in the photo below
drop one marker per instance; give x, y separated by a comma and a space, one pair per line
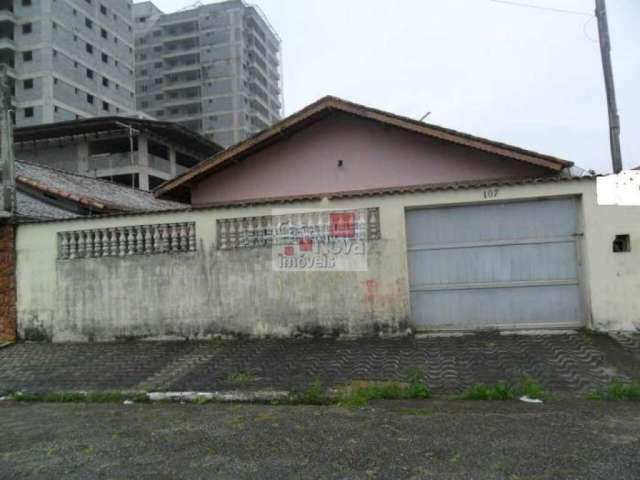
373, 156
210, 292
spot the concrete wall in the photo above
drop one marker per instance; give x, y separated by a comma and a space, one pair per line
197, 295
373, 156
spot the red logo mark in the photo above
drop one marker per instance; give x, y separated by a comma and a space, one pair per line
341, 225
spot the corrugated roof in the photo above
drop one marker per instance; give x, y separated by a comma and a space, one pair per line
327, 105
96, 195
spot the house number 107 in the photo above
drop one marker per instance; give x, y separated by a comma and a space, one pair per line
490, 193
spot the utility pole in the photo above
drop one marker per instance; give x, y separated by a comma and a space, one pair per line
7, 160
614, 118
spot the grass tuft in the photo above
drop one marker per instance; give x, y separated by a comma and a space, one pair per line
504, 391
241, 378
617, 390
360, 393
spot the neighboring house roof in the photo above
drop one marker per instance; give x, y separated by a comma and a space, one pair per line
173, 132
33, 208
328, 105
48, 193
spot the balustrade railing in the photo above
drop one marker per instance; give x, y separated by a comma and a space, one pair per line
322, 226
127, 241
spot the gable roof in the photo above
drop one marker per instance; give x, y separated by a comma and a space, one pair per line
84, 195
327, 105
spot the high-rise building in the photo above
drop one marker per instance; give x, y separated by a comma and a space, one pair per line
68, 59
213, 68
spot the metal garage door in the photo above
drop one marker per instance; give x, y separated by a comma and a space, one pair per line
508, 265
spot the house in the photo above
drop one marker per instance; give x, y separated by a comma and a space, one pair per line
44, 193
341, 219
125, 149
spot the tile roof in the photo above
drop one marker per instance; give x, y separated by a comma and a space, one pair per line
36, 209
93, 195
328, 105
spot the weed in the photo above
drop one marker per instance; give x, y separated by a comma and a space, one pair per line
241, 378
617, 390
314, 394
416, 412
504, 391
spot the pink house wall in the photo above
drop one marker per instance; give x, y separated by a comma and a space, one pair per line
373, 156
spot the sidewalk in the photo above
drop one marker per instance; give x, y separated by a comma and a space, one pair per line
565, 362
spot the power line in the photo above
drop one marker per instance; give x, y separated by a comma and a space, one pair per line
540, 7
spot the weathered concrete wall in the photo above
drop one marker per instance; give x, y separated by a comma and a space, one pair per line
372, 155
7, 283
209, 292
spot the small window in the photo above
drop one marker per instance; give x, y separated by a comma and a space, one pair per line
89, 98
103, 9
28, 112
89, 48
89, 73
622, 243
27, 56
28, 84
26, 3
54, 25
88, 23
105, 58
27, 28
104, 33
105, 81
105, 106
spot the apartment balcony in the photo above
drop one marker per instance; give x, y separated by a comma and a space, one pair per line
180, 51
7, 15
7, 43
123, 163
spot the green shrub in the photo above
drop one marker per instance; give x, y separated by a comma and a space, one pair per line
618, 390
504, 391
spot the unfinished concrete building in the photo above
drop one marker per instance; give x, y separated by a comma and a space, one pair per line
129, 151
68, 59
214, 68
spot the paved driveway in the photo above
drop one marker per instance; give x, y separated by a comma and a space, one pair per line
452, 440
561, 362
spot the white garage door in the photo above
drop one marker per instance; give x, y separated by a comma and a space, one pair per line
508, 265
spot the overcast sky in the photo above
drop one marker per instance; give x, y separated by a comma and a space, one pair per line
518, 75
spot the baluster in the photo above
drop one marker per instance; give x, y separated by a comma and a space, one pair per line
232, 233
73, 247
157, 239
64, 245
165, 238
175, 238
81, 244
223, 240
241, 233
106, 244
89, 244
374, 224
361, 225
259, 232
184, 242
192, 237
251, 232
113, 242
122, 241
268, 230
129, 241
97, 243
139, 233
148, 240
